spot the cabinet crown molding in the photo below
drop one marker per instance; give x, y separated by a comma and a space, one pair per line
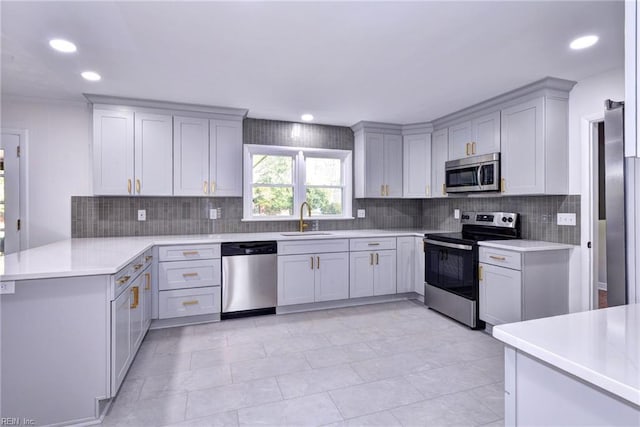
417, 128
377, 127
549, 86
175, 107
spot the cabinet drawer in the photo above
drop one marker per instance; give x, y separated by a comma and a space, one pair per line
312, 246
373, 244
188, 252
501, 257
189, 302
189, 274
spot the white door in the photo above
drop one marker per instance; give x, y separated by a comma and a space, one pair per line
500, 295
121, 352
439, 156
459, 140
486, 134
10, 222
405, 264
361, 274
384, 277
332, 276
419, 265
226, 158
522, 159
393, 165
190, 156
113, 152
374, 164
153, 155
296, 279
416, 182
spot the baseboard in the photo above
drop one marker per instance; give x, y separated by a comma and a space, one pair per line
344, 303
602, 286
184, 321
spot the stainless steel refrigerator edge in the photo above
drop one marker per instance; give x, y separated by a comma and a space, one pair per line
615, 167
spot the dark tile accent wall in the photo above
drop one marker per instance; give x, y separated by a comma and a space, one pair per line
271, 132
538, 214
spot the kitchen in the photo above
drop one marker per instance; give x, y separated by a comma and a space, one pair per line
64, 204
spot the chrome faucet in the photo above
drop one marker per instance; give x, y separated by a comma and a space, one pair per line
302, 224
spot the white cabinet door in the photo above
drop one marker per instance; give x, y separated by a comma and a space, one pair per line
153, 155
374, 164
522, 158
190, 156
296, 279
112, 152
419, 265
226, 158
393, 165
121, 350
137, 313
361, 274
405, 254
384, 279
500, 294
439, 156
147, 300
486, 134
332, 276
416, 167
459, 140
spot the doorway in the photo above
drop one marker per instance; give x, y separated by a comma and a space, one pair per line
11, 224
600, 216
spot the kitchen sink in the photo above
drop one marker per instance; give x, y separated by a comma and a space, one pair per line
306, 233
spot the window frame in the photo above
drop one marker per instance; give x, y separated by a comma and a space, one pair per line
299, 155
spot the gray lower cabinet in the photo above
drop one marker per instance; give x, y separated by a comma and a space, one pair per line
372, 273
516, 286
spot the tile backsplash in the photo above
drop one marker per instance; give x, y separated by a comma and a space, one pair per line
104, 216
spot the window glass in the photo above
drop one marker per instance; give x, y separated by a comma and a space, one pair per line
268, 169
325, 201
272, 201
323, 171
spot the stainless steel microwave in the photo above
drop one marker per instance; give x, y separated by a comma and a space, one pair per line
473, 174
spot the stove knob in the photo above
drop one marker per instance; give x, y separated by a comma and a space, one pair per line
504, 219
510, 219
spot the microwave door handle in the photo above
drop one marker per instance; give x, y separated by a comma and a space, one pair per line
480, 176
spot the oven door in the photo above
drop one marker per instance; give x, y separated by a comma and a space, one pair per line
452, 267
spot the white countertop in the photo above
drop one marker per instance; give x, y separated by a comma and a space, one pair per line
99, 256
525, 245
601, 347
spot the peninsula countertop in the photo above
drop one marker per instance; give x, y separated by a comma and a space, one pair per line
601, 347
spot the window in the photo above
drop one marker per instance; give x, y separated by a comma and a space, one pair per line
278, 179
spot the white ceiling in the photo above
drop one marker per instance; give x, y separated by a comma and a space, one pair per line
343, 62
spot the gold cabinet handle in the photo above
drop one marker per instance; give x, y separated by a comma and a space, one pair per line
136, 297
213, 187
503, 185
185, 275
499, 258
427, 190
188, 253
205, 187
387, 187
192, 302
373, 244
473, 148
382, 190
124, 279
377, 258
371, 258
138, 186
467, 149
147, 276
480, 275
129, 186
148, 258
311, 258
137, 267
444, 190
318, 262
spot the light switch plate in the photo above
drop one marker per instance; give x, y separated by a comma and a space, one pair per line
566, 219
213, 213
7, 287
361, 213
142, 215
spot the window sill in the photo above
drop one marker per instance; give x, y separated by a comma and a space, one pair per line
291, 218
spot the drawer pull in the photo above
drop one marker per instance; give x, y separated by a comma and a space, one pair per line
374, 244
124, 279
188, 253
137, 267
148, 258
499, 258
189, 274
192, 302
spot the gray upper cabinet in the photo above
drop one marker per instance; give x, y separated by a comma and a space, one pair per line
153, 146
480, 135
112, 152
225, 162
190, 156
416, 164
439, 151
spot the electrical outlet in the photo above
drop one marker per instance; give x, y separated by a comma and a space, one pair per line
456, 213
219, 213
566, 219
7, 287
213, 213
142, 215
360, 213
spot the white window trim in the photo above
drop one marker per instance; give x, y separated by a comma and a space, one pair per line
299, 179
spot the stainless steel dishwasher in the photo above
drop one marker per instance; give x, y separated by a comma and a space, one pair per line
249, 279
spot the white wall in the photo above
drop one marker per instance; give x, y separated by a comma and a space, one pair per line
59, 137
586, 102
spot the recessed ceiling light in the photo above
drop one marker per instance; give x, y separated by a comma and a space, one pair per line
583, 42
92, 76
62, 45
306, 117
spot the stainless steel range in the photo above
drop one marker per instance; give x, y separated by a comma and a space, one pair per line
451, 263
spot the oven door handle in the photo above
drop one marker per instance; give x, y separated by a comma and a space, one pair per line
449, 245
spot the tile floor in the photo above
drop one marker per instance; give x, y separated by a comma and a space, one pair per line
393, 364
